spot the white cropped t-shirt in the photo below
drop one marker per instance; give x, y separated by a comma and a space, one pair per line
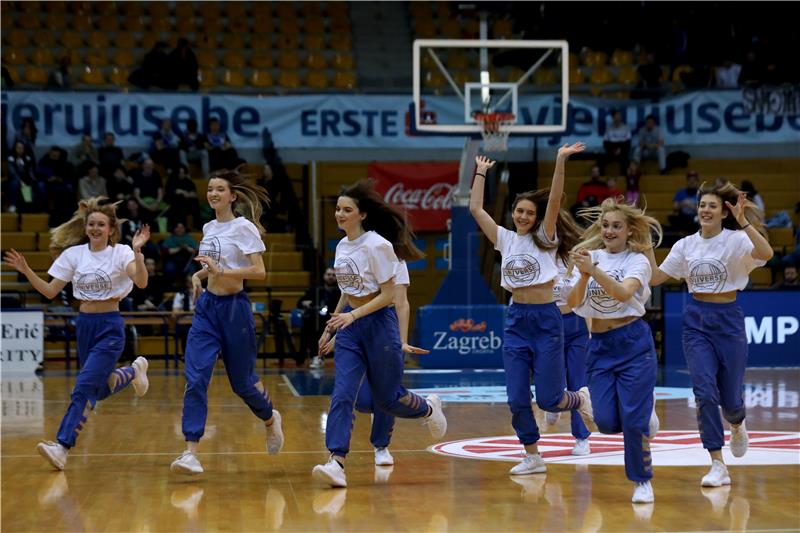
597, 303
95, 276
522, 263
229, 243
363, 264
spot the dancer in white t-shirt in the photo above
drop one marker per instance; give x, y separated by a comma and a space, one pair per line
716, 263
102, 272
621, 358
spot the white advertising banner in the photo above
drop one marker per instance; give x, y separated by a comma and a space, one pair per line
22, 349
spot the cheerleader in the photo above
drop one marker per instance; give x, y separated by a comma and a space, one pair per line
621, 359
102, 272
368, 344
230, 252
533, 337
716, 262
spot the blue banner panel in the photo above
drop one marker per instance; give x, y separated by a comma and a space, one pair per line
461, 336
771, 320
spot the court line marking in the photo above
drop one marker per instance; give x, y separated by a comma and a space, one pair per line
289, 384
156, 454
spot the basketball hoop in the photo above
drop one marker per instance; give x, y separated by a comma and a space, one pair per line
495, 136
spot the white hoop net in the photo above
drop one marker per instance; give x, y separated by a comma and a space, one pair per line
495, 136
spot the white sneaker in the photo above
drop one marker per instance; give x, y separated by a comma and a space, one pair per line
275, 434
643, 493
585, 408
383, 457
717, 476
330, 473
317, 362
186, 464
53, 452
739, 440
140, 382
581, 447
654, 424
436, 422
532, 464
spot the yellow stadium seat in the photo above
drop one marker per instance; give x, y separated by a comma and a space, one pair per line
44, 38
233, 60
425, 28
420, 10
621, 58
19, 240
503, 29
263, 25
236, 10
317, 79
627, 75
289, 60
261, 41
443, 10
77, 8
29, 22
338, 9
9, 221
98, 39
601, 76
118, 76
71, 39
17, 38
344, 80
104, 9
12, 56
233, 40
261, 60
42, 57
451, 29
576, 75
316, 61
261, 9
209, 10
343, 61
233, 78
340, 26
314, 26
239, 25
124, 39
34, 222
287, 42
457, 59
96, 58
207, 42
157, 9
544, 76
35, 75
285, 10
124, 58
161, 24
595, 59
781, 237
92, 76
761, 277
207, 58
132, 9
6, 24
184, 10
289, 79
55, 21
206, 78
311, 10
149, 39
314, 42
261, 79
82, 23
342, 43
133, 22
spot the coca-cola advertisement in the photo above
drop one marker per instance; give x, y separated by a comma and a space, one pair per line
423, 190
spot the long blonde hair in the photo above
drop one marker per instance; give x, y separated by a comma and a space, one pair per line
727, 192
73, 231
249, 195
642, 226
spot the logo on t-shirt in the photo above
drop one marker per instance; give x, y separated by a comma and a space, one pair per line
348, 276
707, 275
93, 285
599, 299
211, 247
521, 270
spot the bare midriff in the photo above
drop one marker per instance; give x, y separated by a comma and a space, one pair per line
565, 309
221, 286
100, 306
715, 298
601, 325
534, 294
357, 301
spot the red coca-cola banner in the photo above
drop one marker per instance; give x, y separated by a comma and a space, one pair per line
423, 190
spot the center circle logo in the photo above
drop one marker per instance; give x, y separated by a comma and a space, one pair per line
347, 276
669, 448
94, 285
521, 269
599, 299
210, 247
707, 275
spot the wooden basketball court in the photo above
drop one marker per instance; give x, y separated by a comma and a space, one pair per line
118, 479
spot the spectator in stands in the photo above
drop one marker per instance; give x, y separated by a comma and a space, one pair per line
752, 195
130, 222
617, 143
613, 191
221, 154
753, 72
151, 297
148, 190
165, 146
684, 219
591, 193
120, 185
178, 250
21, 179
182, 199
7, 80
26, 134
276, 218
632, 177
57, 175
193, 147
650, 75
84, 154
790, 281
59, 77
651, 144
183, 65
317, 304
92, 184
726, 76
154, 71
109, 156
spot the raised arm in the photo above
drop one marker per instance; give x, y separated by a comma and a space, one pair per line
485, 221
49, 290
136, 269
557, 188
659, 276
761, 247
